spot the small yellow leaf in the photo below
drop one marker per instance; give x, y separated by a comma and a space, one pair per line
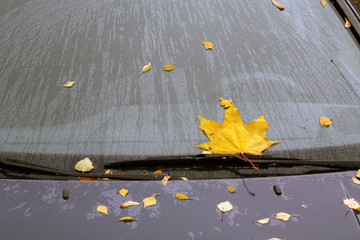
109, 171
281, 7
355, 180
352, 203
69, 84
150, 201
184, 178
263, 221
225, 103
208, 45
102, 209
182, 196
169, 67
347, 23
84, 165
225, 206
146, 68
323, 3
303, 206
158, 172
129, 203
283, 216
325, 122
230, 189
165, 180
127, 219
358, 174
123, 192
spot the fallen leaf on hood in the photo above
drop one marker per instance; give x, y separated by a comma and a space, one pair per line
235, 137
146, 68
352, 203
225, 103
184, 178
263, 221
274, 239
347, 22
281, 7
123, 192
208, 45
150, 200
84, 165
127, 219
165, 180
129, 203
102, 209
325, 122
69, 84
225, 206
358, 174
230, 189
355, 180
182, 196
109, 171
323, 3
169, 67
283, 216
158, 172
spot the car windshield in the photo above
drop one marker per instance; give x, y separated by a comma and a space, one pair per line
294, 66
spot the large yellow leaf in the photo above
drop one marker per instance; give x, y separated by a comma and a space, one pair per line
150, 200
233, 136
84, 165
352, 203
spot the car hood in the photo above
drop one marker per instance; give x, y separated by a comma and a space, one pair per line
37, 209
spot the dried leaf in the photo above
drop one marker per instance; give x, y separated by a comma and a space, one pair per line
146, 68
184, 178
127, 219
283, 216
129, 203
169, 67
208, 45
355, 180
123, 192
323, 3
225, 103
347, 23
225, 206
325, 122
182, 196
158, 172
352, 203
69, 84
165, 180
303, 206
102, 209
90, 179
274, 239
150, 201
281, 7
358, 174
230, 189
263, 221
84, 165
234, 137
109, 171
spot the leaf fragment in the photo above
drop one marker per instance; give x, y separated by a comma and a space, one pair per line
165, 180
168, 67
127, 219
208, 45
283, 216
352, 203
150, 201
102, 209
69, 84
355, 180
225, 206
263, 221
325, 122
281, 7
123, 192
323, 3
225, 103
184, 178
182, 196
129, 204
358, 174
84, 165
347, 23
230, 189
146, 68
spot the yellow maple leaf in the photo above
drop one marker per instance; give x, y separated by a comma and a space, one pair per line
235, 137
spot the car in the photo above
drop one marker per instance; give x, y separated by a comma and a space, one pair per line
85, 80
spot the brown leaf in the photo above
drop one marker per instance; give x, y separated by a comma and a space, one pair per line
90, 179
281, 7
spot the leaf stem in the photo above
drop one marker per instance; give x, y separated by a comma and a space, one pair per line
250, 162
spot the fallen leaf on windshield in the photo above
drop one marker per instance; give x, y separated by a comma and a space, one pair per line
283, 216
208, 45
263, 221
225, 206
102, 209
169, 67
225, 103
182, 196
165, 180
150, 200
230, 189
347, 22
109, 171
84, 165
235, 137
281, 7
352, 203
129, 203
146, 68
323, 3
127, 219
325, 122
69, 84
158, 172
123, 192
